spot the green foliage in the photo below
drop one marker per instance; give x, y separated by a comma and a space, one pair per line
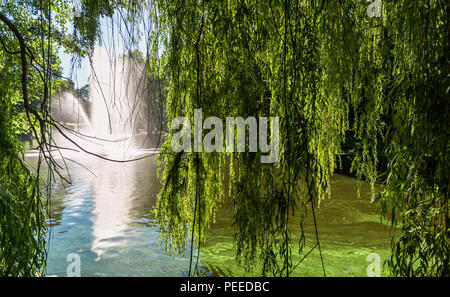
315, 65
22, 215
31, 33
249, 59
416, 195
323, 67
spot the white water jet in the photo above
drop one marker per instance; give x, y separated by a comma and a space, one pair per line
112, 95
69, 109
116, 92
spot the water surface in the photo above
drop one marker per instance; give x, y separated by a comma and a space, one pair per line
105, 217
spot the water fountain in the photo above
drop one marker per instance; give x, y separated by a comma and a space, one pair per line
116, 93
112, 95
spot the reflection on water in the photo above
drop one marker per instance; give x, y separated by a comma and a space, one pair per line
114, 188
105, 217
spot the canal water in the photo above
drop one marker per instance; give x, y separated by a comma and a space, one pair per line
104, 217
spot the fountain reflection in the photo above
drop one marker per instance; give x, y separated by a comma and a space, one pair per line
115, 200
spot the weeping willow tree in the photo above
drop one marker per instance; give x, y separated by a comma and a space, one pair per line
315, 65
26, 65
416, 43
324, 68
31, 34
